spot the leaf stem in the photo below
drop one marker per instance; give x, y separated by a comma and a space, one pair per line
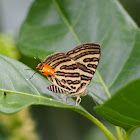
108, 134
119, 133
128, 133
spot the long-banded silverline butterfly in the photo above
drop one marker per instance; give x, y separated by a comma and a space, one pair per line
71, 72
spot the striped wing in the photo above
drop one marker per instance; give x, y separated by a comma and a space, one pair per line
86, 57
56, 89
66, 77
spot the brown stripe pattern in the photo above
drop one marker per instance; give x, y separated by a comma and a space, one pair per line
67, 74
59, 62
73, 70
85, 53
69, 67
83, 47
61, 85
86, 57
84, 68
86, 78
56, 89
93, 59
73, 82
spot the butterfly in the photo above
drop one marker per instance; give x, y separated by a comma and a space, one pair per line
71, 72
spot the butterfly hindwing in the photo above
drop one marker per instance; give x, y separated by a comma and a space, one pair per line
66, 76
56, 89
86, 57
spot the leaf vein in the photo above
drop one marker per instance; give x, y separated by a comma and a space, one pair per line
78, 40
70, 27
123, 64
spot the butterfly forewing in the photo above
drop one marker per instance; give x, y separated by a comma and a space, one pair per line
86, 57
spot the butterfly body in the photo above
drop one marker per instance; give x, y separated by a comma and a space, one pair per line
71, 72
46, 69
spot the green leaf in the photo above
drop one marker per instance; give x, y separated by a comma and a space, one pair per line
61, 25
16, 92
21, 92
124, 106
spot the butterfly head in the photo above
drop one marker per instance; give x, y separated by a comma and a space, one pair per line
45, 69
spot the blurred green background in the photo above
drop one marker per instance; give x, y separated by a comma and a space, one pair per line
41, 122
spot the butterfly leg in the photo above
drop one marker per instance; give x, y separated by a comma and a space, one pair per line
78, 100
62, 97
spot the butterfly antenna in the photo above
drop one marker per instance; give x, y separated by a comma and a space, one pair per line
32, 76
35, 67
37, 58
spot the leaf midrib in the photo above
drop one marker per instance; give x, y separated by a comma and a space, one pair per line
70, 27
31, 95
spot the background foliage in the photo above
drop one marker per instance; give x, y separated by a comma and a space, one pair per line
67, 22
41, 29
